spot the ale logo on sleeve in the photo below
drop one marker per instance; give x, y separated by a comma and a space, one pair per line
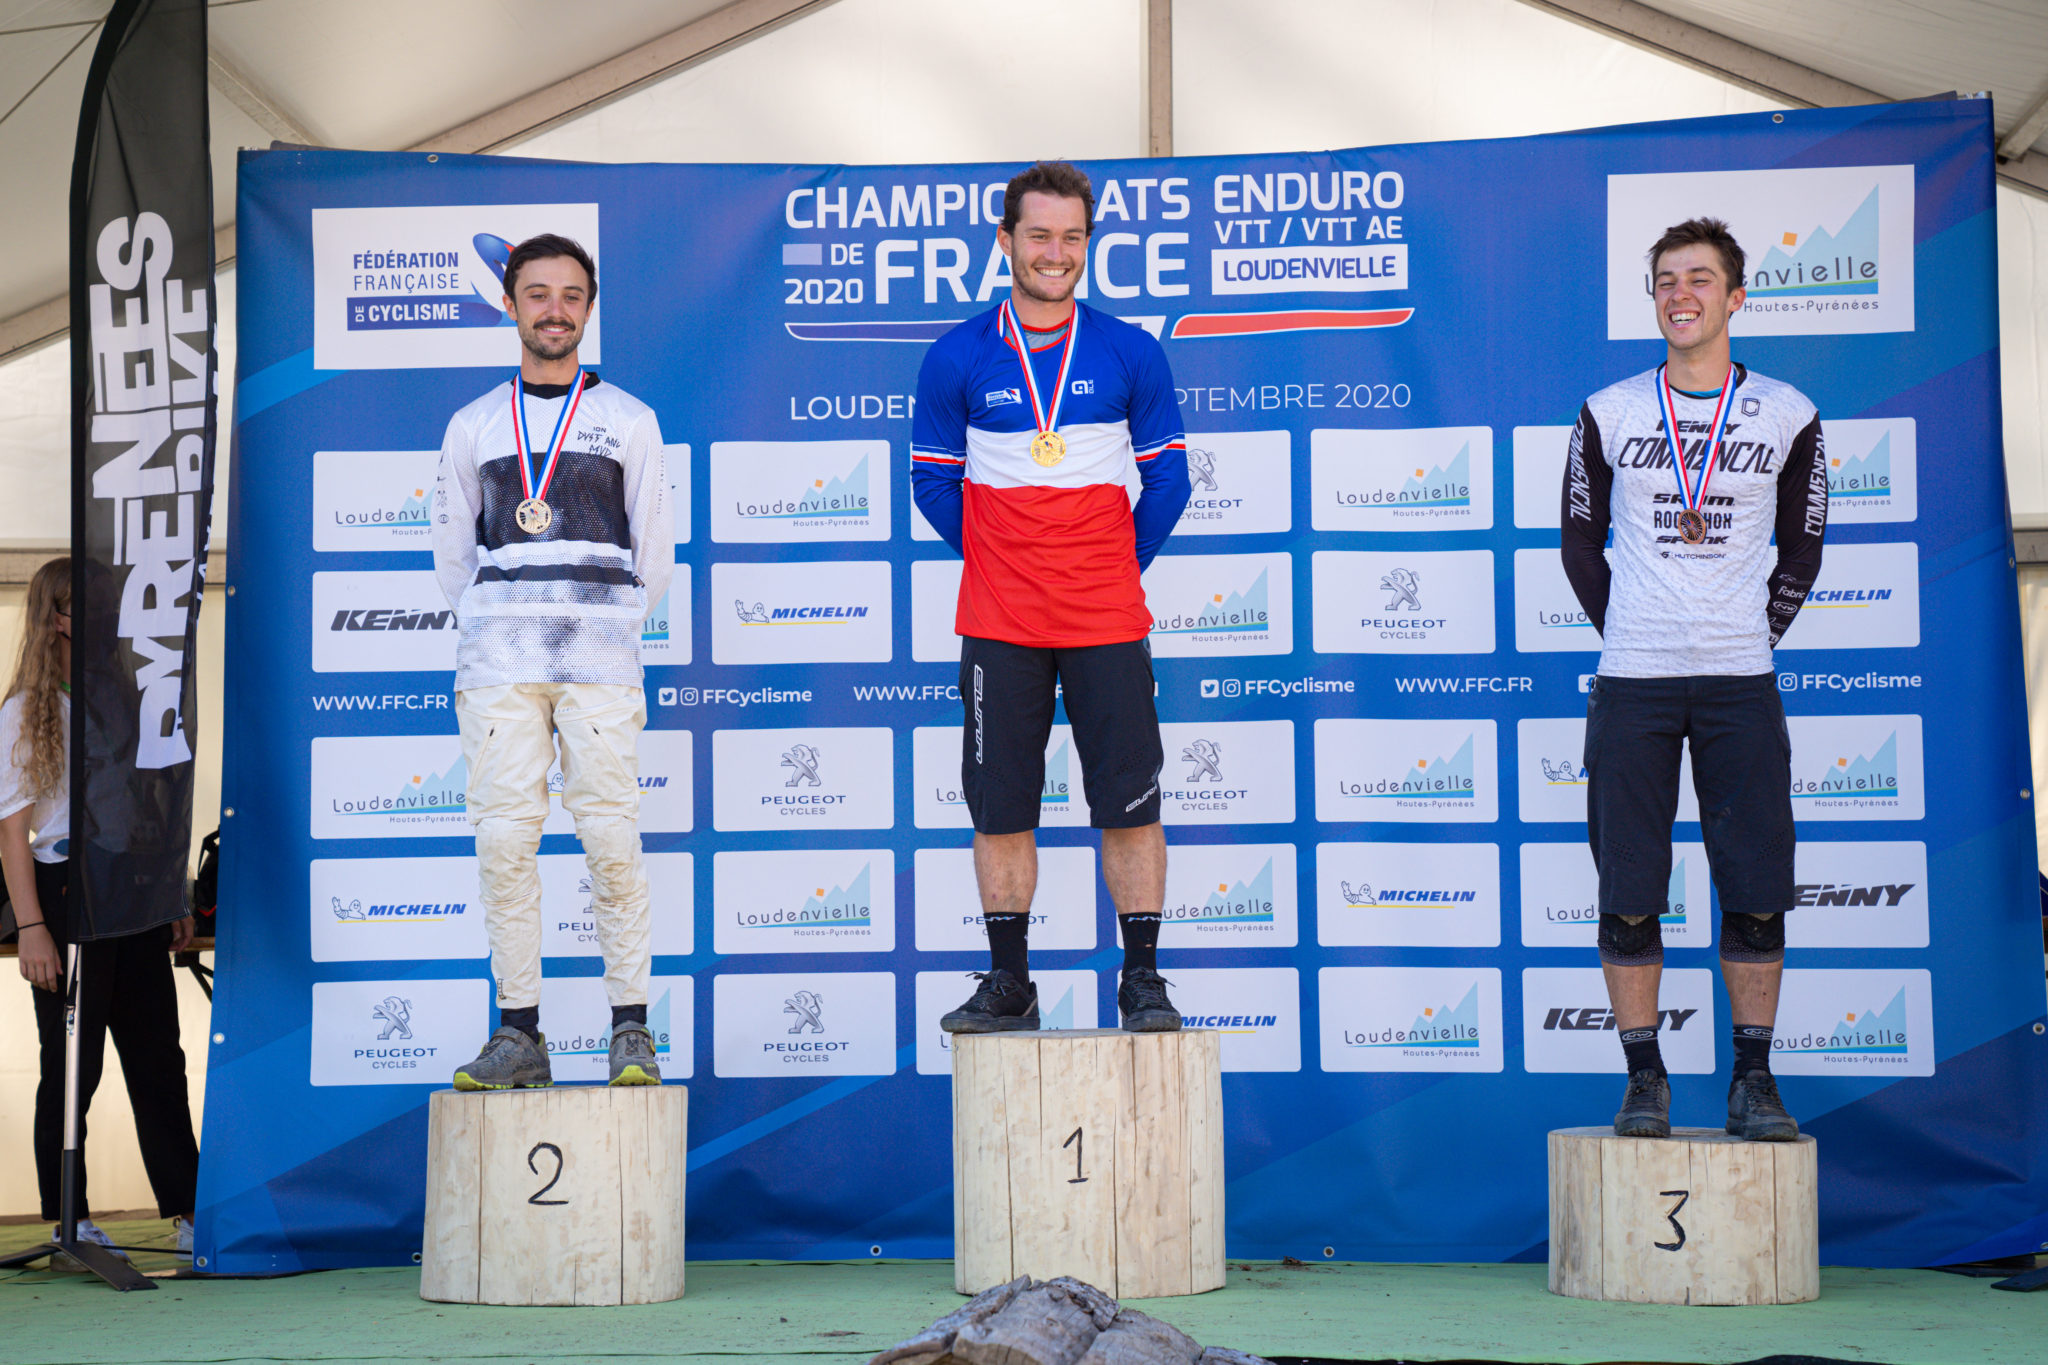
1830, 248
948, 903
1838, 1021
766, 492
1229, 896
382, 621
804, 901
394, 910
1857, 768
1561, 897
373, 499
1228, 773
1205, 606
942, 803
1551, 771
1548, 617
818, 778
934, 607
1067, 999
568, 926
1567, 1024
1406, 770
1410, 1018
1859, 895
804, 1024
1404, 602
1873, 469
1419, 479
1256, 1009
579, 1027
1865, 597
1243, 484
833, 611
423, 287
409, 1032
1408, 895
1540, 454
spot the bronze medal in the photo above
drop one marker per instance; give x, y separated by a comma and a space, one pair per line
1692, 526
534, 516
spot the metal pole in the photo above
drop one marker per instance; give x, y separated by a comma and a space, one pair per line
67, 1225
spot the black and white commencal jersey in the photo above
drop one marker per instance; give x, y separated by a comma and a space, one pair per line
1666, 609
566, 605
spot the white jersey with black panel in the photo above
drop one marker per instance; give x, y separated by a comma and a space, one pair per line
565, 605
1665, 608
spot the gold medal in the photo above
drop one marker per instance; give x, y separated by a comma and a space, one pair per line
1048, 448
534, 516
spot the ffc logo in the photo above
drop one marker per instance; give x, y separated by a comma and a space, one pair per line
996, 398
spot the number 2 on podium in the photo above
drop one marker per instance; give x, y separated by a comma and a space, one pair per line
1079, 1144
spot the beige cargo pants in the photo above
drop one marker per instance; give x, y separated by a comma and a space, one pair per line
508, 736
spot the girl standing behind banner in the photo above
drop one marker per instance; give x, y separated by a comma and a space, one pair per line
128, 985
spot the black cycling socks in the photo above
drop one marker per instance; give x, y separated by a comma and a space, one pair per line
1141, 941
526, 1020
1640, 1046
1008, 947
629, 1014
1752, 1047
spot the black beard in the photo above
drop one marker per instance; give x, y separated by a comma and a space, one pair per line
549, 350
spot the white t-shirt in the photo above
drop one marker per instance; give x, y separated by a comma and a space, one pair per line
49, 819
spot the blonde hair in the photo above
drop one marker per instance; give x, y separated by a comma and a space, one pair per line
39, 751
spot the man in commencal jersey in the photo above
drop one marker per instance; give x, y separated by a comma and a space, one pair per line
553, 535
1029, 419
1689, 606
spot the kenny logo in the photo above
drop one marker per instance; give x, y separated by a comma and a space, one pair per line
382, 621
392, 618
1602, 1018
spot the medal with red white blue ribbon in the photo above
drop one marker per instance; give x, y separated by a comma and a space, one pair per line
1048, 447
534, 515
1692, 523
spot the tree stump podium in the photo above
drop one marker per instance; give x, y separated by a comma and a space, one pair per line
570, 1195
1699, 1217
1092, 1153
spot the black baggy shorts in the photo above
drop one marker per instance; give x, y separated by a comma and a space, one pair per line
1009, 691
1741, 771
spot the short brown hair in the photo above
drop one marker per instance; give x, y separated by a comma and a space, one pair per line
541, 248
1060, 178
1708, 232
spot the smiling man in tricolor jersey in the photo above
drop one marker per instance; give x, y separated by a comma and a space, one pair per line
1690, 602
553, 534
1029, 419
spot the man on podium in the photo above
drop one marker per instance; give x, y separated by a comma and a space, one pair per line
552, 535
1029, 420
1694, 466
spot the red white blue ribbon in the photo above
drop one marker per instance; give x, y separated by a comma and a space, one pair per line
1048, 418
1691, 498
535, 485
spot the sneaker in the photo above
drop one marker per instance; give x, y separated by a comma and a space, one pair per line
633, 1056
183, 1228
511, 1060
1000, 1004
1646, 1107
1755, 1113
88, 1232
1141, 1000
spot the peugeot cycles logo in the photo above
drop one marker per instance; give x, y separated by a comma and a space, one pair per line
798, 797
1206, 756
1206, 504
1405, 585
395, 1013
1207, 759
809, 1008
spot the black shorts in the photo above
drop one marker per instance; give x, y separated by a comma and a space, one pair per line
1009, 694
1741, 771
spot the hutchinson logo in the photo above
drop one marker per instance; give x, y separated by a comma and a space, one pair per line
1410, 1018
1837, 1021
783, 492
1420, 479
424, 286
1206, 606
1830, 248
1405, 770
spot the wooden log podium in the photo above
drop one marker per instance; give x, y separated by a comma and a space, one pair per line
1092, 1153
1699, 1217
570, 1195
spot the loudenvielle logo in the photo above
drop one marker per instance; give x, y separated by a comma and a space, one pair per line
1873, 469
841, 501
841, 907
1235, 616
1436, 1032
1243, 903
398, 512
1865, 777
1820, 262
1432, 780
576, 1044
1445, 485
1401, 479
442, 793
1878, 1033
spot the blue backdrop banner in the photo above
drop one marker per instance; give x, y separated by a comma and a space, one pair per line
1371, 685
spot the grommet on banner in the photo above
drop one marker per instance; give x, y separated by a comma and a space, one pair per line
1329, 1253
222, 1037
1775, 118
433, 156
2040, 1028
875, 1250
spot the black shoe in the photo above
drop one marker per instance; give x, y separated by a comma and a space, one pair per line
1755, 1113
1141, 1000
1646, 1107
1002, 1003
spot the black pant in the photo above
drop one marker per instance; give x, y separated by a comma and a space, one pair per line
128, 987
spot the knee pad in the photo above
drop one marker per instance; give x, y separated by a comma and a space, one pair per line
1631, 940
1752, 938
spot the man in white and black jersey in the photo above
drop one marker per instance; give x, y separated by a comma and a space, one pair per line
1690, 601
553, 535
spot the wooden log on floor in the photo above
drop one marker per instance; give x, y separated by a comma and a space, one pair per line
1092, 1153
569, 1195
1696, 1218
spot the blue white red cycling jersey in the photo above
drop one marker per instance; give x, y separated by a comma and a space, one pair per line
1052, 555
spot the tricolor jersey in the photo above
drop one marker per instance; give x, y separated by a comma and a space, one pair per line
566, 604
1053, 554
1665, 608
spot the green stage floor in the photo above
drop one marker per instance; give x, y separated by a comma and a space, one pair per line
826, 1314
